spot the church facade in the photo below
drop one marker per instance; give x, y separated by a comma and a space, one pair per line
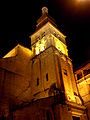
39, 83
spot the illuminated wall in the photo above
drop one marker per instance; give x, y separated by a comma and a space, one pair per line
47, 36
83, 82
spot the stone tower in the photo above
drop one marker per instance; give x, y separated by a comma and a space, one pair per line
52, 68
51, 65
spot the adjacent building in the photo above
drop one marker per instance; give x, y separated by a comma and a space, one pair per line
83, 82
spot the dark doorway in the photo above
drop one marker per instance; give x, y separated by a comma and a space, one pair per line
76, 118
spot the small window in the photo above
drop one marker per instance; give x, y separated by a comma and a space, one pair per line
37, 81
79, 76
65, 72
47, 77
76, 118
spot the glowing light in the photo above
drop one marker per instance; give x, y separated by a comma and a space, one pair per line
37, 49
40, 46
60, 46
83, 0
12, 53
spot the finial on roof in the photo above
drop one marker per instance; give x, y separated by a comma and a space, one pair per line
44, 10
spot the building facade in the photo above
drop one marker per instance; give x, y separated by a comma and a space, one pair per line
83, 82
39, 84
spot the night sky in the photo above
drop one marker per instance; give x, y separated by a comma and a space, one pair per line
18, 20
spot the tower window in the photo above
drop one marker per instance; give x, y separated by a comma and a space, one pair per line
37, 50
79, 76
76, 118
65, 72
37, 81
46, 76
40, 46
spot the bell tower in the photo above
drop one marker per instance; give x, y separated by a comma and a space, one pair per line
54, 66
47, 34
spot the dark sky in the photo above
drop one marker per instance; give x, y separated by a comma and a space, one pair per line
18, 20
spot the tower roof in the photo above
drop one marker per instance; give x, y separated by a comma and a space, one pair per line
45, 18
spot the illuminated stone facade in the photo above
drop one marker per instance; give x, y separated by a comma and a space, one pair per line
39, 84
83, 81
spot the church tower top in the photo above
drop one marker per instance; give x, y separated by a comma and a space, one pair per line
47, 34
44, 18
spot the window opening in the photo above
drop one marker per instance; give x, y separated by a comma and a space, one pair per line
46, 76
79, 76
37, 81
76, 118
65, 72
